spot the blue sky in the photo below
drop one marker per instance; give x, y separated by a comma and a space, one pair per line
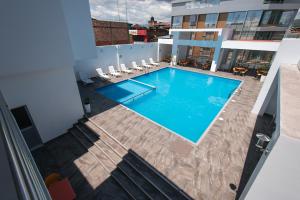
139, 11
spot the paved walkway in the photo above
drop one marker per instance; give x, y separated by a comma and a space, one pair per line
205, 170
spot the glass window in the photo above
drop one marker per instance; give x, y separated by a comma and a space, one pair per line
177, 22
193, 20
211, 20
253, 18
236, 19
270, 17
247, 35
273, 1
286, 17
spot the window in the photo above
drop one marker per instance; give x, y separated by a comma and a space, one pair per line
286, 18
253, 18
21, 116
236, 19
247, 35
270, 17
273, 1
211, 20
177, 22
178, 4
193, 20
273, 35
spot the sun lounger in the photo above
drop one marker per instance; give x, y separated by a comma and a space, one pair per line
153, 63
144, 64
84, 78
124, 69
101, 74
113, 72
135, 66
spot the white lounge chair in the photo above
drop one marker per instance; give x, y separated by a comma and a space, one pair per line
135, 66
101, 74
153, 63
124, 69
84, 78
144, 64
113, 72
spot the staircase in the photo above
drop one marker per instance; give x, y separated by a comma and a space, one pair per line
137, 178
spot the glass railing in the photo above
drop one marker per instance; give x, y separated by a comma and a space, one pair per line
28, 181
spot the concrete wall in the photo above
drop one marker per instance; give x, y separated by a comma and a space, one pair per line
279, 177
79, 24
37, 65
117, 54
274, 181
35, 37
288, 53
51, 96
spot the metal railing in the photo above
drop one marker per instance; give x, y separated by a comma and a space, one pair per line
28, 180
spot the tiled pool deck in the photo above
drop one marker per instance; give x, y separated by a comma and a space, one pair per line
204, 170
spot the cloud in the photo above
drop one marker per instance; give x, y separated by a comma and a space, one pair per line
138, 11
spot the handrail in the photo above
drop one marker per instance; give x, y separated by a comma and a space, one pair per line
140, 94
29, 182
153, 87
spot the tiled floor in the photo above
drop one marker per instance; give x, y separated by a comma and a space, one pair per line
205, 170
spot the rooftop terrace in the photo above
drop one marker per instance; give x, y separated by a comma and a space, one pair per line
211, 169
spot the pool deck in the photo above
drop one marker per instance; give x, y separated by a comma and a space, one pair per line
204, 170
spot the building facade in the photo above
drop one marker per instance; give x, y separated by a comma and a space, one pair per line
110, 33
254, 29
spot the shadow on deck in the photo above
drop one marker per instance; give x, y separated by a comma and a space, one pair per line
100, 168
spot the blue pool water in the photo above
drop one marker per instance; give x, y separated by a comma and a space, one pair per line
184, 102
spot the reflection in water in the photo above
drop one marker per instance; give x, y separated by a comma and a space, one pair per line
209, 81
172, 73
218, 101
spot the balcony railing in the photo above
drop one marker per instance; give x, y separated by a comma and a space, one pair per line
27, 179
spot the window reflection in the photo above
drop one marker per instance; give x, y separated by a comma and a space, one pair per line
286, 17
193, 21
253, 18
211, 20
177, 22
236, 20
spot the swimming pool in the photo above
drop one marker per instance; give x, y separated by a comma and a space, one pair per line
182, 101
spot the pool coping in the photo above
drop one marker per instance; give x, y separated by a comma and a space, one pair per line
173, 132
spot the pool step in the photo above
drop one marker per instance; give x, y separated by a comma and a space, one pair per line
129, 167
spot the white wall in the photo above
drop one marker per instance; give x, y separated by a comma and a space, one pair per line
52, 98
37, 65
251, 45
137, 52
279, 177
108, 55
274, 180
288, 53
80, 28
34, 38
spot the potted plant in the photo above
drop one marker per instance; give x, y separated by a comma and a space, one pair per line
87, 105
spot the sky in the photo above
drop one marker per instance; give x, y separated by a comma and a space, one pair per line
138, 11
